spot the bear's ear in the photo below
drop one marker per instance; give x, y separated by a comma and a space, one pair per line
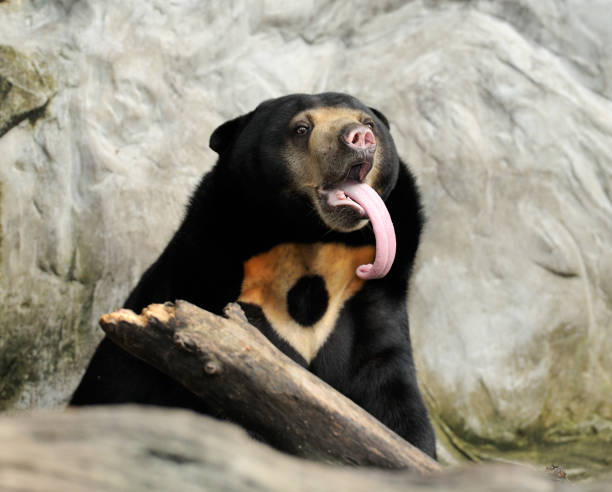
380, 116
223, 137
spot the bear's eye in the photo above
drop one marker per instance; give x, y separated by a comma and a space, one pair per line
302, 129
369, 123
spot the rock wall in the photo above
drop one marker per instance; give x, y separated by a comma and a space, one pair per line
502, 109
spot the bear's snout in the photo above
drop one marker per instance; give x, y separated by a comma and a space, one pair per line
359, 137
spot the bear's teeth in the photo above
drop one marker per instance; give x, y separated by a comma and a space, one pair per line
337, 197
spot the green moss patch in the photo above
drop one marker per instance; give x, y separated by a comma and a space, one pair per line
25, 90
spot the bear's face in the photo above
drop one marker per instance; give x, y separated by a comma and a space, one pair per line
311, 145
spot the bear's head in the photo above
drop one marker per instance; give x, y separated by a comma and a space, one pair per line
312, 147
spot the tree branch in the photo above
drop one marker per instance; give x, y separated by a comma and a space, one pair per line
228, 362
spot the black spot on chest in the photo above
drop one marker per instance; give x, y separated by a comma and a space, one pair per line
307, 300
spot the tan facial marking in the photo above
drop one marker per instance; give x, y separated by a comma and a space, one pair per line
269, 276
327, 123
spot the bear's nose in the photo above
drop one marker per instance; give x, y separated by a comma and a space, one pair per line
360, 137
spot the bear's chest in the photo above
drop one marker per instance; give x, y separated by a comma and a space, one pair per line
301, 289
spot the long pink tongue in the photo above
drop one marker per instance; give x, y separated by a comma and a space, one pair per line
373, 206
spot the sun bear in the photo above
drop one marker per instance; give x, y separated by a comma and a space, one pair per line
311, 222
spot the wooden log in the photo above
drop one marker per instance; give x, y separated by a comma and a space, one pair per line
151, 449
229, 362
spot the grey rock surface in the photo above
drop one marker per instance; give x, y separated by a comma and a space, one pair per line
502, 110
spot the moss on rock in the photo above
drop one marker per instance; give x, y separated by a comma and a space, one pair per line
581, 453
25, 90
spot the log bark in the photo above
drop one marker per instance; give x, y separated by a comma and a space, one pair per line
229, 362
150, 449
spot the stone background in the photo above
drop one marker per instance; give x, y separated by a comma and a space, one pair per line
502, 109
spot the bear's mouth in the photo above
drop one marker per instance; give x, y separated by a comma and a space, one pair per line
358, 172
334, 193
363, 201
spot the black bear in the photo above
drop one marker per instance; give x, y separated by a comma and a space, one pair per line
298, 222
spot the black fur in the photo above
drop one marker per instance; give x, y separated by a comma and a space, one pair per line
247, 205
307, 300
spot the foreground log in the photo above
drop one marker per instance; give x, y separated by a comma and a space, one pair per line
229, 362
150, 449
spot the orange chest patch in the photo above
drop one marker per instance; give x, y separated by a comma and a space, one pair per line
301, 289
